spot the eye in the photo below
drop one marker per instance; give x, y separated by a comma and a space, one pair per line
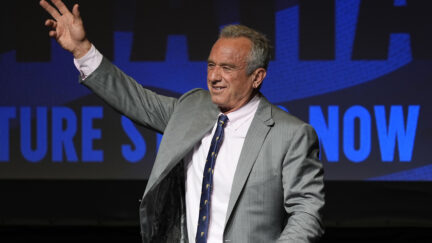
227, 68
210, 65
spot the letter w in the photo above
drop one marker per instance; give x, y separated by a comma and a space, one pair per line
396, 131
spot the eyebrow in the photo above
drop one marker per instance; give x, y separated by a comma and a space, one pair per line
222, 64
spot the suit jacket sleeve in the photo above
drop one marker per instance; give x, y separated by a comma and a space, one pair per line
303, 188
127, 96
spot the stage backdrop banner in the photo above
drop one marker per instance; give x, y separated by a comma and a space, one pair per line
359, 71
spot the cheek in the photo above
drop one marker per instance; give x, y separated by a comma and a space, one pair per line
208, 77
242, 86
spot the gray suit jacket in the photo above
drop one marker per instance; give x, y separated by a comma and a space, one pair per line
277, 192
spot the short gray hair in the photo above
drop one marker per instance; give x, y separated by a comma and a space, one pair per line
259, 55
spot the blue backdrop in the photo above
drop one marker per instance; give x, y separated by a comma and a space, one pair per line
358, 71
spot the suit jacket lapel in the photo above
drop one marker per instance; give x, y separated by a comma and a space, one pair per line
254, 140
189, 130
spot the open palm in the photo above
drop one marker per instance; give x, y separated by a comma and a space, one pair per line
67, 27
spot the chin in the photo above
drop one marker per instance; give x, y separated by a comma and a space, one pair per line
217, 102
222, 105
216, 99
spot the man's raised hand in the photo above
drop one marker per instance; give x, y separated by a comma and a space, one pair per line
67, 27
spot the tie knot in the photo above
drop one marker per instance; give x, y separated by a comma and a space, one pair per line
222, 119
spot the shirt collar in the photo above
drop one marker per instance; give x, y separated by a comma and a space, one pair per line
245, 113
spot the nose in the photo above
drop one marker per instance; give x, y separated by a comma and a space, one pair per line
214, 74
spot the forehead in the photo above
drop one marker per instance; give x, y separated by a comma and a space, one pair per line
230, 49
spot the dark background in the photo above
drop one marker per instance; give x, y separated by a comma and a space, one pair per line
327, 53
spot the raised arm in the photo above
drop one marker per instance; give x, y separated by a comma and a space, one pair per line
67, 27
116, 88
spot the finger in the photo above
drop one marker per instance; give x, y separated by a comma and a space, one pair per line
75, 11
52, 33
50, 9
51, 23
60, 5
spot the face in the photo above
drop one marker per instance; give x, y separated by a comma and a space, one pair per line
229, 85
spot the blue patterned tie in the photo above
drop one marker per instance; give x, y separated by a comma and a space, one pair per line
207, 182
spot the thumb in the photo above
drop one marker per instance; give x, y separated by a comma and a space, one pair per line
75, 11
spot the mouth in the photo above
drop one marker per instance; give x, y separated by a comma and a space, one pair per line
218, 88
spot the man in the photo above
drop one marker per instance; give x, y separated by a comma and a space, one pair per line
231, 166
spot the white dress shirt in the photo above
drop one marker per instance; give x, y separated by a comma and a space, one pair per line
226, 163
89, 62
234, 135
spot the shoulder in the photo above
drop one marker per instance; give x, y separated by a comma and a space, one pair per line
283, 118
195, 99
290, 125
195, 95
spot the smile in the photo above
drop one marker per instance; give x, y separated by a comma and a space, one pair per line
218, 88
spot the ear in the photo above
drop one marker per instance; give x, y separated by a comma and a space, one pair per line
258, 76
